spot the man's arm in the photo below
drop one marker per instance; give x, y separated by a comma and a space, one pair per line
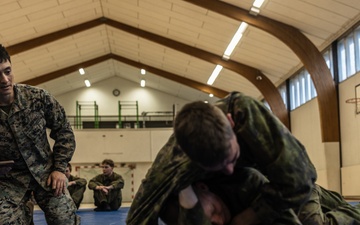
81, 182
94, 182
170, 173
267, 143
191, 211
118, 182
61, 132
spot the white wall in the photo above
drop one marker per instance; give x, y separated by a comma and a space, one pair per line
333, 161
350, 138
305, 125
148, 99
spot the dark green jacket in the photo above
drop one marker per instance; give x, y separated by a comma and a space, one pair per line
114, 179
77, 191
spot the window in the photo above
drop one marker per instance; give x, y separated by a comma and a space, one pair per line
349, 55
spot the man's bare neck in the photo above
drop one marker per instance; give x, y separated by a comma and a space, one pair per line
6, 100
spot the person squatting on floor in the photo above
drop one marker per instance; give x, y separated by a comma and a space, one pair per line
25, 114
76, 186
237, 132
107, 188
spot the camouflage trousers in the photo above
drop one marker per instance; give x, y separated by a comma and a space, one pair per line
328, 208
59, 210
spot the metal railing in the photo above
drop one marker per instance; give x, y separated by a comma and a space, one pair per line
127, 121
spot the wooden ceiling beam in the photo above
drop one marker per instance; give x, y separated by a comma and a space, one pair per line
62, 72
182, 80
48, 38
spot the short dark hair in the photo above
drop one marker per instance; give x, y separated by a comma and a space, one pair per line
109, 162
4, 55
69, 166
203, 132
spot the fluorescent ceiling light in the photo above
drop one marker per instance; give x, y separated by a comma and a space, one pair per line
87, 83
235, 40
214, 74
254, 11
258, 3
143, 72
81, 71
142, 83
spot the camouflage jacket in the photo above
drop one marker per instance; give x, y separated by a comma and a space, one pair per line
24, 139
265, 144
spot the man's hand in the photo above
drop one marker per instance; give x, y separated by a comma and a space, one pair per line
103, 189
187, 198
71, 183
246, 217
58, 181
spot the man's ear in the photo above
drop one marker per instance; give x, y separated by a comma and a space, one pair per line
201, 186
229, 117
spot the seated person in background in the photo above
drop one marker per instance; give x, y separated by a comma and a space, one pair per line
76, 186
107, 188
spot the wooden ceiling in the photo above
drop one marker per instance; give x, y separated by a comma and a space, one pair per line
178, 42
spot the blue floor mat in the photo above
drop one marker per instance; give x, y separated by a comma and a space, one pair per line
90, 217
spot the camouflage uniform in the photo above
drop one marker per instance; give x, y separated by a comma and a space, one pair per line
324, 206
77, 191
265, 143
330, 208
114, 197
23, 139
238, 191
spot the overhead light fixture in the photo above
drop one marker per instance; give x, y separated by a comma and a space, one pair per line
214, 74
87, 83
143, 72
255, 9
81, 71
258, 3
142, 83
235, 40
211, 95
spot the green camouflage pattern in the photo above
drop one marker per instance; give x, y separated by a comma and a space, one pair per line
114, 197
19, 214
23, 138
77, 191
170, 172
328, 207
265, 144
237, 191
58, 210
